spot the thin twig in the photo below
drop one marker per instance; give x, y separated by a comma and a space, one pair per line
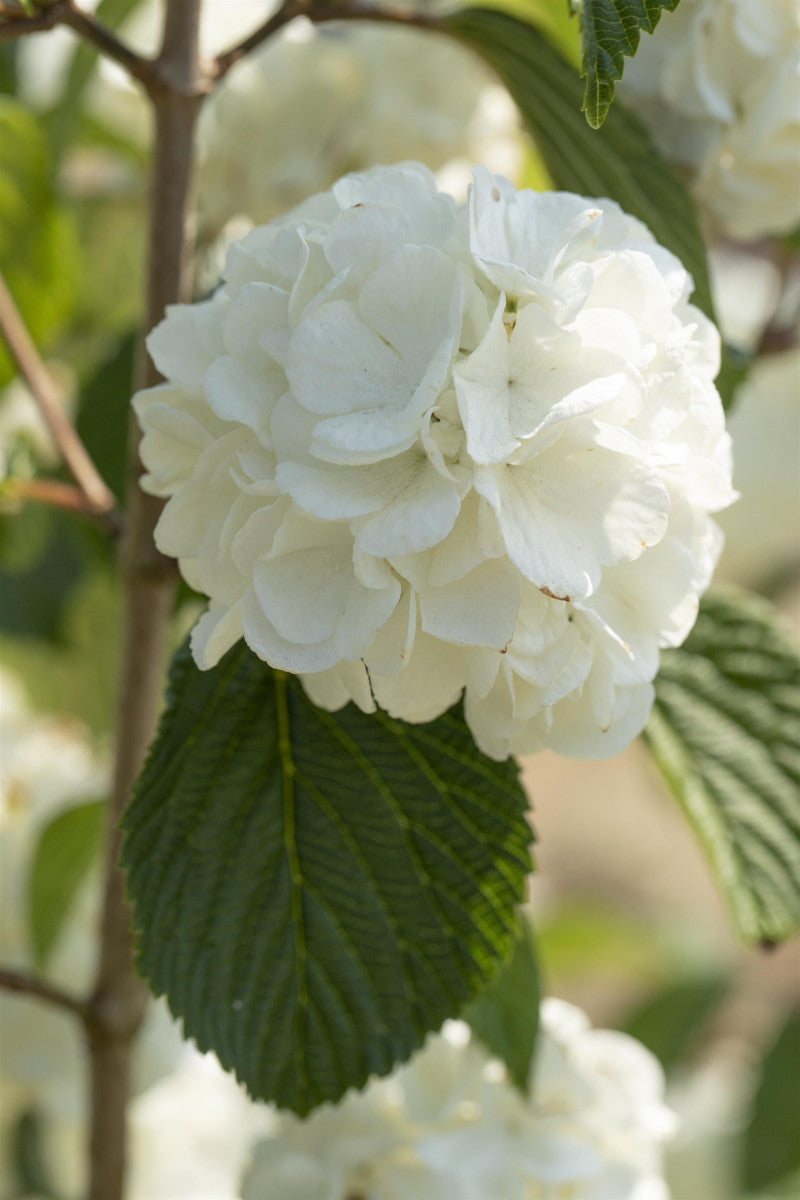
99, 499
59, 495
66, 12
318, 12
109, 45
29, 985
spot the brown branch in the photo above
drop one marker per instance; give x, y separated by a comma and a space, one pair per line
98, 497
59, 495
119, 996
317, 11
29, 985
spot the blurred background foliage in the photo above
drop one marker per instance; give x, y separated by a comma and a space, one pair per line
627, 923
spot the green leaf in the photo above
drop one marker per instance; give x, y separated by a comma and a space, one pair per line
38, 247
617, 161
8, 69
67, 848
610, 30
506, 1015
314, 891
103, 414
669, 1022
771, 1142
725, 730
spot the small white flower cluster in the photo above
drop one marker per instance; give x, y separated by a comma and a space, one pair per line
414, 449
450, 1126
318, 101
718, 86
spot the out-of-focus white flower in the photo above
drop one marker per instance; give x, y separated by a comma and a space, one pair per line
192, 1133
762, 532
718, 85
413, 448
450, 1126
319, 101
313, 103
713, 1102
46, 768
747, 293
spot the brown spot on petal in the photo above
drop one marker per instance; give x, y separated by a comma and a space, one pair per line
495, 193
553, 595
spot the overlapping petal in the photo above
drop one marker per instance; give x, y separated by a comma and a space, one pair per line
413, 451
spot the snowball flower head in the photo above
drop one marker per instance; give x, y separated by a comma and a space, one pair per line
450, 1126
413, 449
718, 86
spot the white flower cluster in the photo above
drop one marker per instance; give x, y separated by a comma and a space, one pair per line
449, 1126
718, 85
318, 101
413, 449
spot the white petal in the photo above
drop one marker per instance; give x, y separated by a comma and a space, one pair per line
238, 391
187, 341
428, 685
337, 364
479, 610
334, 688
419, 511
217, 630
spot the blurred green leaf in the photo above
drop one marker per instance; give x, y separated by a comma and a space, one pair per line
8, 69
38, 246
103, 414
787, 1188
772, 1137
65, 114
77, 674
725, 731
610, 32
68, 847
506, 1015
669, 1022
28, 1162
42, 557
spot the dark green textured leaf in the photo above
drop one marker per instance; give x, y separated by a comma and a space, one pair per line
725, 731
617, 161
506, 1015
669, 1022
610, 31
771, 1142
316, 891
66, 850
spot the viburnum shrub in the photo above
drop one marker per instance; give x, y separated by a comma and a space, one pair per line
439, 463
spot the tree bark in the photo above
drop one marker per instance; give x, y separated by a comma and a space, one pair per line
119, 996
